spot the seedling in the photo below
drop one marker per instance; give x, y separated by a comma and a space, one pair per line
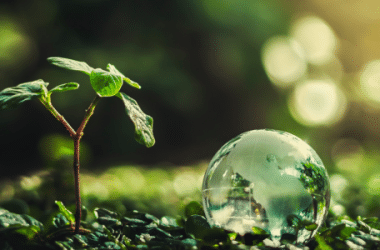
106, 84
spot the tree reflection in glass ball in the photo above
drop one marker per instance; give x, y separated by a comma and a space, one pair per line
268, 179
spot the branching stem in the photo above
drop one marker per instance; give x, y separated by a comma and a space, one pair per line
47, 103
77, 136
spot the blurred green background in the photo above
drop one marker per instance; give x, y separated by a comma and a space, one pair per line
209, 70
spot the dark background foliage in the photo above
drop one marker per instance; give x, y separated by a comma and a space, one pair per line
203, 81
198, 98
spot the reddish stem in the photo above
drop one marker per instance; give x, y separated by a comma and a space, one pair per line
77, 136
78, 204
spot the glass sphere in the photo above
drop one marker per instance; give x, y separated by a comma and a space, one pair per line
268, 179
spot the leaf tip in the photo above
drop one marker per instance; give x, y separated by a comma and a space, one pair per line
132, 83
151, 144
51, 59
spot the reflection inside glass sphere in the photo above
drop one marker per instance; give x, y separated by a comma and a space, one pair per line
268, 179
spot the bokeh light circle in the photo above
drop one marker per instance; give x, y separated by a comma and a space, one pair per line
283, 61
317, 102
316, 37
370, 81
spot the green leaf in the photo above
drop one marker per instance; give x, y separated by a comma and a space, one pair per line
363, 226
194, 208
65, 87
63, 245
168, 221
105, 213
10, 219
259, 231
197, 226
32, 222
189, 243
60, 221
71, 64
132, 83
143, 123
20, 224
69, 216
14, 96
29, 232
371, 220
346, 232
105, 83
311, 227
148, 218
81, 239
106, 217
84, 213
132, 221
114, 71
159, 233
334, 231
322, 245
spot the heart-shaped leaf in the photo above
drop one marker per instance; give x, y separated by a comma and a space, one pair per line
14, 96
65, 87
71, 64
105, 83
143, 123
113, 70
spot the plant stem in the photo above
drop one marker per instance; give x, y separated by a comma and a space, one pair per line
77, 136
78, 204
89, 113
56, 114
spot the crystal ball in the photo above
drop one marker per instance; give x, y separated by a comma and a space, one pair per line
267, 179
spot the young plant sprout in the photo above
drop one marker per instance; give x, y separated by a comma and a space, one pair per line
105, 84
